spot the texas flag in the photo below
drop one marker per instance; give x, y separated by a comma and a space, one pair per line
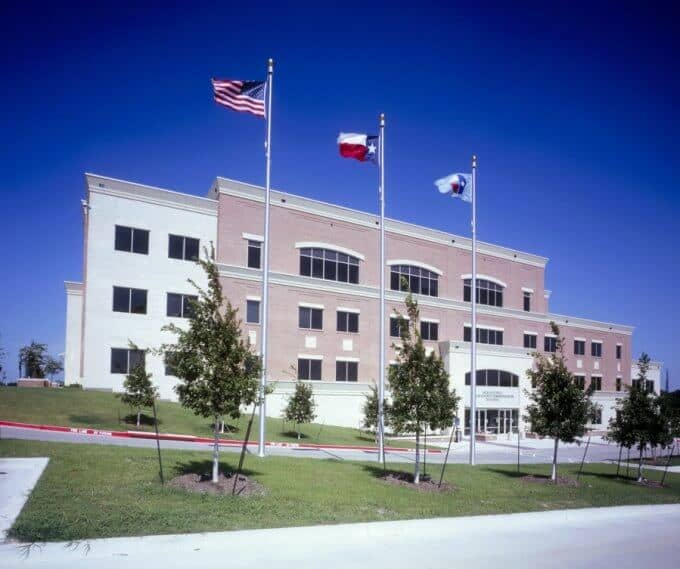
457, 185
360, 146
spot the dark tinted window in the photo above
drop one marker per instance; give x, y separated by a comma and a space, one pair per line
618, 352
137, 301
191, 246
596, 383
254, 254
188, 305
119, 360
530, 341
132, 240
140, 241
488, 292
121, 299
550, 344
309, 369
596, 349
180, 305
329, 265
346, 371
347, 321
414, 279
310, 318
527, 302
175, 247
429, 330
397, 325
484, 336
618, 384
253, 311
123, 238
579, 347
494, 378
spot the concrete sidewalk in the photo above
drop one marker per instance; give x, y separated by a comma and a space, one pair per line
18, 476
629, 536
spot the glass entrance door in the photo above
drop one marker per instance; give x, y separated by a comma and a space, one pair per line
493, 421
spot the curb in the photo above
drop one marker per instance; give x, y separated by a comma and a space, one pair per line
200, 440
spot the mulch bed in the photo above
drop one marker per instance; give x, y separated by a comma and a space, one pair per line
426, 483
650, 483
202, 484
561, 480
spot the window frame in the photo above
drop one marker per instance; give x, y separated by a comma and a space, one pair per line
550, 344
526, 299
312, 312
344, 320
486, 290
349, 368
579, 347
329, 265
426, 329
250, 302
535, 341
427, 281
593, 351
596, 382
133, 231
484, 335
130, 293
253, 245
185, 239
183, 303
306, 366
128, 359
619, 351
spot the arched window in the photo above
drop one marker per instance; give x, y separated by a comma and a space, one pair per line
329, 265
415, 279
494, 378
488, 292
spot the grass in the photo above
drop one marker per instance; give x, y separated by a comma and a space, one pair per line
103, 410
90, 491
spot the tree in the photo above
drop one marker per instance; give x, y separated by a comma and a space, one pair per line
419, 385
669, 403
370, 409
301, 406
640, 420
559, 407
52, 367
3, 355
32, 359
217, 370
139, 391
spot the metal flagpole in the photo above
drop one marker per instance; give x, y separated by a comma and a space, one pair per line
265, 266
473, 332
381, 387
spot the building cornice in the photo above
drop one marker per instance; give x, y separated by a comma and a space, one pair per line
255, 193
149, 194
370, 292
73, 287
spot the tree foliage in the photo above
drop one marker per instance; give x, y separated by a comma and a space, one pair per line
300, 408
640, 420
216, 368
419, 385
139, 391
32, 360
670, 408
559, 407
370, 411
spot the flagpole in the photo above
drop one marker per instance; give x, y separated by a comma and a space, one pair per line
381, 387
473, 334
265, 267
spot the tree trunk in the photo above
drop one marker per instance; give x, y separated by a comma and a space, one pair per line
216, 455
416, 476
639, 476
221, 426
298, 430
139, 413
553, 476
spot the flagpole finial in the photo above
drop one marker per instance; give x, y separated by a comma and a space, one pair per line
382, 118
474, 160
270, 63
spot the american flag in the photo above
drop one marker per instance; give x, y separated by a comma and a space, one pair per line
246, 96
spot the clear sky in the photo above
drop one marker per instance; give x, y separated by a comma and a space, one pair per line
572, 108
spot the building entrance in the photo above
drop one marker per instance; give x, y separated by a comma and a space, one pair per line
493, 421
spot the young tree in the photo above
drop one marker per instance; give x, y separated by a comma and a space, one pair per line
559, 407
301, 406
419, 385
370, 409
669, 403
32, 359
139, 391
640, 419
53, 366
217, 370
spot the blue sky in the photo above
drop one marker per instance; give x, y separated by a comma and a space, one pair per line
570, 106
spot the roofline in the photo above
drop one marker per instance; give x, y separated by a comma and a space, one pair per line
251, 191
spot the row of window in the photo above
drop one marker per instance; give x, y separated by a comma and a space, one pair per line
550, 345
311, 369
134, 301
134, 240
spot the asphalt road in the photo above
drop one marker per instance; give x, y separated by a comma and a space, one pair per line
626, 537
500, 452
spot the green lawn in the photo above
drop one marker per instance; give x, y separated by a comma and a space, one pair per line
101, 410
90, 491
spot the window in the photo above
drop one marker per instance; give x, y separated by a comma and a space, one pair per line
596, 383
530, 340
310, 318
415, 279
254, 254
650, 386
329, 265
596, 349
494, 378
131, 300
580, 380
347, 321
346, 371
618, 351
179, 305
429, 330
597, 419
527, 301
550, 344
397, 325
253, 311
488, 292
309, 369
124, 360
169, 367
180, 247
484, 335
132, 240
579, 347
618, 384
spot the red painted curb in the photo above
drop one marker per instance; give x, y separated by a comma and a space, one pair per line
194, 439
